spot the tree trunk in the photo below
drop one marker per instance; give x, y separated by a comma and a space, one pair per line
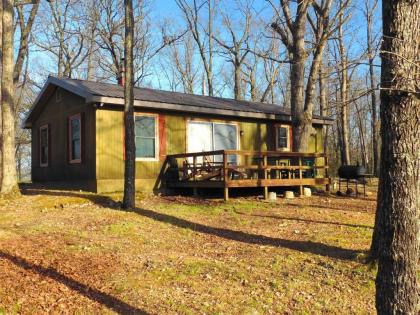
344, 99
210, 64
363, 153
301, 122
25, 31
1, 119
237, 85
374, 119
129, 139
9, 180
322, 74
399, 190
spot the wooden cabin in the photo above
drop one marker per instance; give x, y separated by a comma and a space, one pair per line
181, 140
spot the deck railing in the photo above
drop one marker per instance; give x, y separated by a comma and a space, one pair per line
239, 168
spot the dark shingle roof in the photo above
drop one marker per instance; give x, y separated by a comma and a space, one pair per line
160, 96
98, 92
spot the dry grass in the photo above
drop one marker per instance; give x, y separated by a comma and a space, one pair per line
73, 252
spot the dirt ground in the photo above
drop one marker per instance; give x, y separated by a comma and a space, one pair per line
69, 252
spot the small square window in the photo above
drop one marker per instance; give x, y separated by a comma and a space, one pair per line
283, 137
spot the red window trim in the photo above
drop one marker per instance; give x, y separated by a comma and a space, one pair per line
46, 126
79, 116
289, 140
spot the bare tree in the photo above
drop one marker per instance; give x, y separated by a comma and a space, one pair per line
396, 235
181, 59
204, 40
9, 179
369, 14
129, 139
292, 34
235, 48
25, 32
65, 35
344, 93
110, 39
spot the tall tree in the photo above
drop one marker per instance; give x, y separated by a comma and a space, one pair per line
25, 32
129, 139
369, 14
396, 236
9, 179
1, 116
291, 25
344, 93
235, 47
204, 40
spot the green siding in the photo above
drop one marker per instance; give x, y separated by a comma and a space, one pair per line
176, 136
256, 136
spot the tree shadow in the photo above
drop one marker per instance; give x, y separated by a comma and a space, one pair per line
305, 220
93, 294
318, 206
234, 235
255, 239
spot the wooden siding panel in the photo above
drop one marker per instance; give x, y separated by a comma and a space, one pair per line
254, 137
176, 134
109, 144
55, 114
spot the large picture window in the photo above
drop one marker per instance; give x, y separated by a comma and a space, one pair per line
75, 139
44, 146
146, 137
283, 137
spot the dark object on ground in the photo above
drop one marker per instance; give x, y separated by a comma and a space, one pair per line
352, 174
351, 171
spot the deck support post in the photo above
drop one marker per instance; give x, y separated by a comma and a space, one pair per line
226, 193
265, 192
225, 176
300, 177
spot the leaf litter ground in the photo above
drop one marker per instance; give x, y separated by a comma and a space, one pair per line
69, 252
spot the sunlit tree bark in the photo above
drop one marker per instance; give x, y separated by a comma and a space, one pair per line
396, 236
129, 139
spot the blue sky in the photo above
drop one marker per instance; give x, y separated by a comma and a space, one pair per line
168, 10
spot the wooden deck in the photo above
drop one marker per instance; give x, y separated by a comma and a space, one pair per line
237, 168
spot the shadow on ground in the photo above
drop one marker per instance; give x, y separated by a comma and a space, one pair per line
304, 220
229, 234
93, 294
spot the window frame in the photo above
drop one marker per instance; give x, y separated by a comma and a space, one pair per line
213, 122
157, 140
70, 142
44, 127
288, 130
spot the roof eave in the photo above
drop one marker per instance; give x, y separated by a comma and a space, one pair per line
201, 109
56, 82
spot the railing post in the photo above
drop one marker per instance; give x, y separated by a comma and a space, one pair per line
194, 167
265, 175
225, 176
300, 176
327, 187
